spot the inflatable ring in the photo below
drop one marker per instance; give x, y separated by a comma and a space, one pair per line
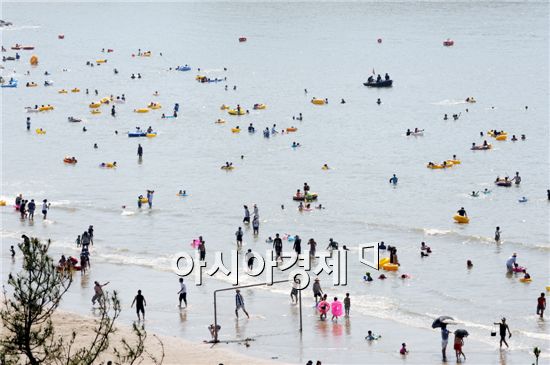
524, 280
323, 307
220, 121
224, 107
236, 112
317, 101
291, 129
100, 61
454, 162
501, 137
69, 160
75, 90
390, 267
155, 106
142, 110
260, 106
151, 135
384, 261
62, 91
45, 108
227, 167
235, 130
94, 105
40, 131
461, 219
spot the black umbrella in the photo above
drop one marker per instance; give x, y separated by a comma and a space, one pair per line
442, 321
461, 333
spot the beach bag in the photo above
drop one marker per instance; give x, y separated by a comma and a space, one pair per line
494, 332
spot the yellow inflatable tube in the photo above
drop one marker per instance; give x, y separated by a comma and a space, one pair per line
94, 104
317, 101
235, 112
144, 200
524, 280
384, 261
2, 203
235, 130
101, 61
95, 111
390, 267
45, 108
40, 131
141, 110
75, 90
62, 91
224, 107
461, 219
501, 137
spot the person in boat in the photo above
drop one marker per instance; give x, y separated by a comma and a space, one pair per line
378, 78
149, 129
485, 144
298, 194
430, 164
462, 212
387, 77
370, 80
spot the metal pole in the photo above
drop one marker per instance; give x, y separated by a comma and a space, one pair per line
300, 296
215, 320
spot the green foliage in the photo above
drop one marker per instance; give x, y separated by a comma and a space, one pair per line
26, 313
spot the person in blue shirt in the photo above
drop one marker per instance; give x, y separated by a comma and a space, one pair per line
239, 304
393, 180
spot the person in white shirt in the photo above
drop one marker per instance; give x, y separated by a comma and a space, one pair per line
182, 293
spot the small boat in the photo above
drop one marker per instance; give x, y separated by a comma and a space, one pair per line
448, 42
10, 84
137, 134
382, 83
27, 48
74, 120
183, 68
506, 183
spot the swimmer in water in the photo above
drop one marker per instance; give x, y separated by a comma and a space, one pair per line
378, 101
469, 264
393, 179
367, 277
475, 194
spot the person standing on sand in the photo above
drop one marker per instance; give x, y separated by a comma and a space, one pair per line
182, 293
503, 327
444, 341
239, 304
541, 301
140, 302
98, 289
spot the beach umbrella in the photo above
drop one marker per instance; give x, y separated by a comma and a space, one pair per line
461, 333
441, 321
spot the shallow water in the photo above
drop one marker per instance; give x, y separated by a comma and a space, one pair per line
500, 57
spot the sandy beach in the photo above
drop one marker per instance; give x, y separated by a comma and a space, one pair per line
176, 350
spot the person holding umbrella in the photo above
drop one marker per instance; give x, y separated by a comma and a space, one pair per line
459, 342
503, 327
442, 323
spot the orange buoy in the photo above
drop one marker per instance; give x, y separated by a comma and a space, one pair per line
34, 60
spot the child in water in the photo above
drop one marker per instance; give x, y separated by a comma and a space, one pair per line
403, 350
371, 336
